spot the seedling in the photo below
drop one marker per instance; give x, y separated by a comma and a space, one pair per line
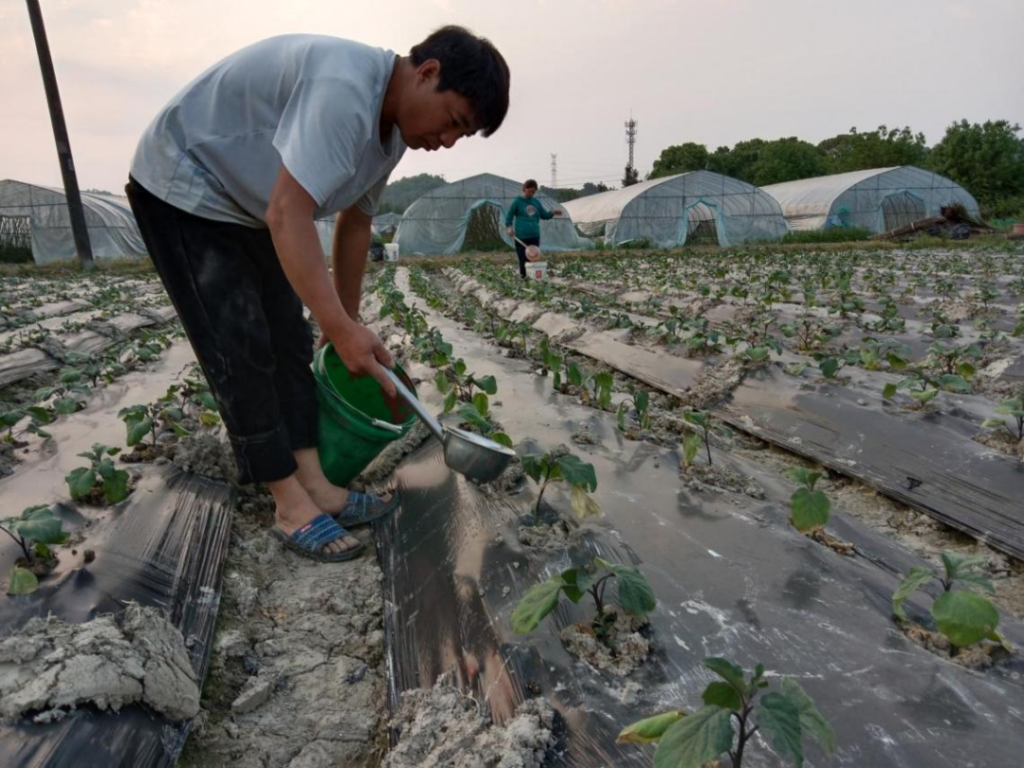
705, 426
139, 421
641, 401
10, 420
1013, 407
100, 478
456, 383
558, 466
809, 508
951, 358
924, 388
67, 394
597, 388
963, 616
690, 740
635, 595
477, 415
34, 531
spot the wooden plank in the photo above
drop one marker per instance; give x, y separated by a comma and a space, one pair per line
24, 363
925, 460
87, 342
670, 374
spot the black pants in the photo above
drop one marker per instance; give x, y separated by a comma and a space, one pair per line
521, 251
246, 325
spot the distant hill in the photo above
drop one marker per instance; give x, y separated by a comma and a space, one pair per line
399, 195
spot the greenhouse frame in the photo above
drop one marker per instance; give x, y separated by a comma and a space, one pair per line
879, 199
39, 215
699, 206
470, 215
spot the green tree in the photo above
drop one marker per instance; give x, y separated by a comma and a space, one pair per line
882, 148
785, 160
738, 162
680, 158
399, 195
986, 159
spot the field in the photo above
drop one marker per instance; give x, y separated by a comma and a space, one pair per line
735, 455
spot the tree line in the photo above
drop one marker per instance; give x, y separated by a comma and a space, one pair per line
987, 159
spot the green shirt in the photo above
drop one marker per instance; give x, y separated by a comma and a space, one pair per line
527, 214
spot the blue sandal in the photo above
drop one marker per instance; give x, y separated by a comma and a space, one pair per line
363, 508
310, 540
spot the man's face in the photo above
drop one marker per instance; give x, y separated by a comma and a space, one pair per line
529, 192
431, 120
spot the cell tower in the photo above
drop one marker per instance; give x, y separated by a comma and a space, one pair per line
631, 177
554, 171
631, 137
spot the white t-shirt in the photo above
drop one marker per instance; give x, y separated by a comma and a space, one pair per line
310, 101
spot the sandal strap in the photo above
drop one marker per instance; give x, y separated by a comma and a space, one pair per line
318, 532
359, 505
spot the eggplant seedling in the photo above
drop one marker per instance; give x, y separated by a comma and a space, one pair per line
634, 595
34, 531
562, 466
100, 478
139, 421
477, 415
808, 508
923, 387
1013, 407
962, 615
691, 739
641, 401
705, 426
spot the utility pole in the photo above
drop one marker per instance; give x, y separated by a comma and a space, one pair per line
60, 137
554, 171
631, 176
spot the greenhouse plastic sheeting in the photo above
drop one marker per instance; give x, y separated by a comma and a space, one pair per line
437, 223
665, 211
165, 548
879, 199
113, 232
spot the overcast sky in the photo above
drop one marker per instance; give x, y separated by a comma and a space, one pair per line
710, 71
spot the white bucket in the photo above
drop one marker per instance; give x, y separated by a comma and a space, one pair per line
538, 270
390, 251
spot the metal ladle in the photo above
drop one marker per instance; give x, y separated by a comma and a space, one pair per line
477, 457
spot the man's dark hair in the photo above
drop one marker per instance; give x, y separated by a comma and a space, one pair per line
472, 67
530, 184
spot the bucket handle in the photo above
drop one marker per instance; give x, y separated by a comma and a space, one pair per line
386, 425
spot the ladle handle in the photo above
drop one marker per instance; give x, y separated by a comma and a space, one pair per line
416, 405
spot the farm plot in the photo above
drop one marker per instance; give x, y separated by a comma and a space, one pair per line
469, 568
699, 553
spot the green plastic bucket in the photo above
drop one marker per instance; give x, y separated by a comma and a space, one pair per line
357, 420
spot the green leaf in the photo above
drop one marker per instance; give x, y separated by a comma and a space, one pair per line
577, 582
442, 383
889, 392
39, 524
812, 722
695, 739
65, 405
691, 446
138, 432
488, 384
964, 617
650, 729
10, 418
577, 472
538, 602
917, 576
698, 418
829, 367
635, 592
810, 510
207, 400
804, 476
469, 414
583, 504
80, 482
449, 401
115, 487
22, 581
731, 673
779, 718
502, 439
481, 403
757, 354
924, 396
953, 383
620, 416
719, 694
534, 466
993, 423
966, 370
958, 566
796, 369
